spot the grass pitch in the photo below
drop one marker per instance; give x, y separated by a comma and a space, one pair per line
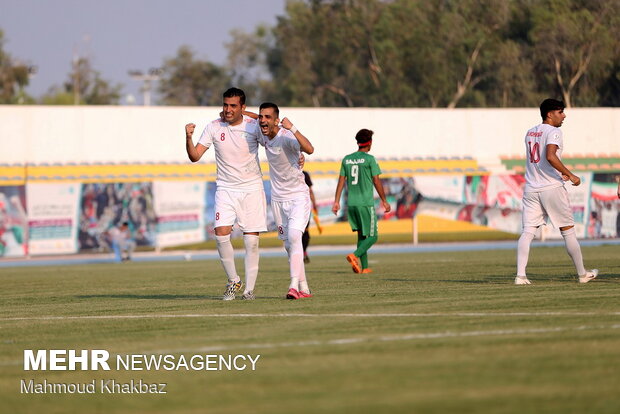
425, 333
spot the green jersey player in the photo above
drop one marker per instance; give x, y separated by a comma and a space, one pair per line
361, 172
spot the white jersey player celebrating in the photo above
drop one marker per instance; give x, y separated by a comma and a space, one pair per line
239, 196
545, 196
290, 196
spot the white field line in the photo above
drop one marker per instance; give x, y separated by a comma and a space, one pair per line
368, 339
309, 315
391, 338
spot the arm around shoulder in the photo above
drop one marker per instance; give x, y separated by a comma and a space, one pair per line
304, 144
250, 114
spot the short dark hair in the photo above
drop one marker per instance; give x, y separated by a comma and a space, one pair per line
266, 105
231, 92
363, 136
549, 105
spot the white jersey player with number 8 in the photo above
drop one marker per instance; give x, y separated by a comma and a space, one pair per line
239, 196
545, 196
290, 196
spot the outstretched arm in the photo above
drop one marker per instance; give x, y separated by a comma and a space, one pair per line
339, 187
250, 114
304, 144
556, 163
193, 152
379, 187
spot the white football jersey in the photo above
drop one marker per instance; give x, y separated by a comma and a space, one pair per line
539, 174
236, 154
287, 179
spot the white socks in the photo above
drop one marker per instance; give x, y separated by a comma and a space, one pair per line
570, 240
573, 249
227, 257
294, 247
523, 249
250, 242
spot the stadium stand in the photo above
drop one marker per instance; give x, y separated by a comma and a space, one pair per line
129, 172
576, 162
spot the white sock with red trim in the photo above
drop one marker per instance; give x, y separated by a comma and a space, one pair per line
251, 261
227, 257
296, 259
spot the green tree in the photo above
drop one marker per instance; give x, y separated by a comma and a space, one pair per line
447, 53
512, 79
609, 90
188, 81
441, 52
324, 53
399, 53
84, 87
575, 46
247, 63
512, 76
473, 29
14, 77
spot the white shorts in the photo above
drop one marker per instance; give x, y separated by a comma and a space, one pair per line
248, 209
291, 214
552, 204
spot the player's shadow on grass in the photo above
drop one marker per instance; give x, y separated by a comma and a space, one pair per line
347, 272
601, 278
416, 280
154, 296
168, 297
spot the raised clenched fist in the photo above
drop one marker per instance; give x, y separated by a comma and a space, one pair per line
286, 123
189, 130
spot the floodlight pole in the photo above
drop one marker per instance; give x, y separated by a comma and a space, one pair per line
147, 79
76, 77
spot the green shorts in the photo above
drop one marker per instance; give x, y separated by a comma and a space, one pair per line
363, 219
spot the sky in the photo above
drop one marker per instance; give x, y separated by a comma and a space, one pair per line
122, 35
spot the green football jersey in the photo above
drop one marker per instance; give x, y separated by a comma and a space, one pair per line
359, 168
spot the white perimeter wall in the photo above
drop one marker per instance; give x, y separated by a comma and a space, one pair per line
87, 134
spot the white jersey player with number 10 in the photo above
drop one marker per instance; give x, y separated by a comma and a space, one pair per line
545, 196
290, 196
539, 175
239, 195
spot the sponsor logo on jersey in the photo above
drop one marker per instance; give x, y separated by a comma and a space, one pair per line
358, 161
